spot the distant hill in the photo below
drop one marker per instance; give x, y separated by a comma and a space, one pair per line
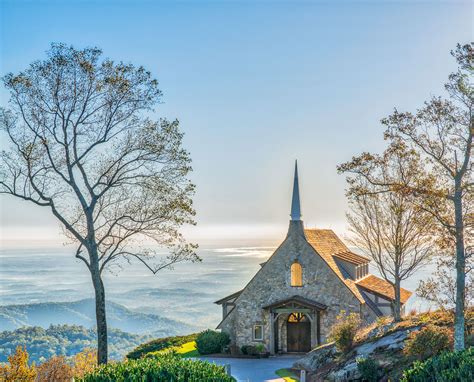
83, 313
64, 340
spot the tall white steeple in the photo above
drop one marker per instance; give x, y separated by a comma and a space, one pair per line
295, 200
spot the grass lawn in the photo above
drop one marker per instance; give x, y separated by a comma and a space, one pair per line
185, 350
287, 375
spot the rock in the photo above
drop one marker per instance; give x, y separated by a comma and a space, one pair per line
317, 358
326, 362
392, 341
379, 331
348, 372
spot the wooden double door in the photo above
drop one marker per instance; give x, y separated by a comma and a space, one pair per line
298, 332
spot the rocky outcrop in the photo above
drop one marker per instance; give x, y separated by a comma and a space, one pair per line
318, 358
326, 363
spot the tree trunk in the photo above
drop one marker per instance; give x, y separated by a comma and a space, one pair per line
396, 304
460, 271
101, 318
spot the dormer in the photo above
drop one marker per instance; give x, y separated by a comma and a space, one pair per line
352, 266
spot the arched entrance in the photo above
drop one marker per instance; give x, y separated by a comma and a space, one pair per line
297, 317
298, 329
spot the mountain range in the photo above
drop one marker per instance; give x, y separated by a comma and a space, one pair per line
82, 313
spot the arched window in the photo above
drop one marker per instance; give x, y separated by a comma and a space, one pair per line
296, 275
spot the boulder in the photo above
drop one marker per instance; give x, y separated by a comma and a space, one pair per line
348, 372
392, 341
317, 358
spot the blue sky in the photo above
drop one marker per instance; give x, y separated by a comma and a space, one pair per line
255, 85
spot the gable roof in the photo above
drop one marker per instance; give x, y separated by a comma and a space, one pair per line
383, 288
326, 243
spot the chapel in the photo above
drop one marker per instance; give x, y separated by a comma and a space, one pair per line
292, 301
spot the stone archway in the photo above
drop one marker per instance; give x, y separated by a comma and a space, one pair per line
305, 312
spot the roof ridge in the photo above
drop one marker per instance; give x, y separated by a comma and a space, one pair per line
367, 275
351, 257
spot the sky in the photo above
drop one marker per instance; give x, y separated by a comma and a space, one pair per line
255, 85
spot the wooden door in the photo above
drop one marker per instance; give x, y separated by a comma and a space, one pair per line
298, 337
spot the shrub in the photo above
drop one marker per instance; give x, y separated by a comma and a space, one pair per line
260, 348
18, 369
84, 362
384, 320
209, 341
55, 369
249, 350
446, 367
160, 344
344, 330
368, 369
252, 350
427, 342
163, 368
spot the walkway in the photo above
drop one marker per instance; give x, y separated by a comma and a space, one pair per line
255, 370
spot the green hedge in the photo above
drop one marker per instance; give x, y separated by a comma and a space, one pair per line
165, 368
447, 367
210, 342
160, 344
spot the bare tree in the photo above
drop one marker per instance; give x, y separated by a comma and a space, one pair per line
386, 224
440, 288
83, 147
441, 134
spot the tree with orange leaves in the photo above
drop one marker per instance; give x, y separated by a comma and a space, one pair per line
18, 369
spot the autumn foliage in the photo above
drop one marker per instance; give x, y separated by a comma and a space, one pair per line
84, 362
56, 369
17, 368
428, 342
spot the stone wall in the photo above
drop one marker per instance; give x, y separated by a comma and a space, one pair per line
272, 283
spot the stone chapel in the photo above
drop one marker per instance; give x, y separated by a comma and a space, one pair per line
292, 301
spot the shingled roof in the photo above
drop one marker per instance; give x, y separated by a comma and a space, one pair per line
352, 257
381, 287
326, 243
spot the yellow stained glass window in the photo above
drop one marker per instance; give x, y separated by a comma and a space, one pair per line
296, 275
296, 317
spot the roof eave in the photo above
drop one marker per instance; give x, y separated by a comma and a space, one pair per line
229, 297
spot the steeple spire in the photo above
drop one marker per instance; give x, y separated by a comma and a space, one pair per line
295, 200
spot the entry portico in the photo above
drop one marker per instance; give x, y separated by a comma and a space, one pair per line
301, 317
